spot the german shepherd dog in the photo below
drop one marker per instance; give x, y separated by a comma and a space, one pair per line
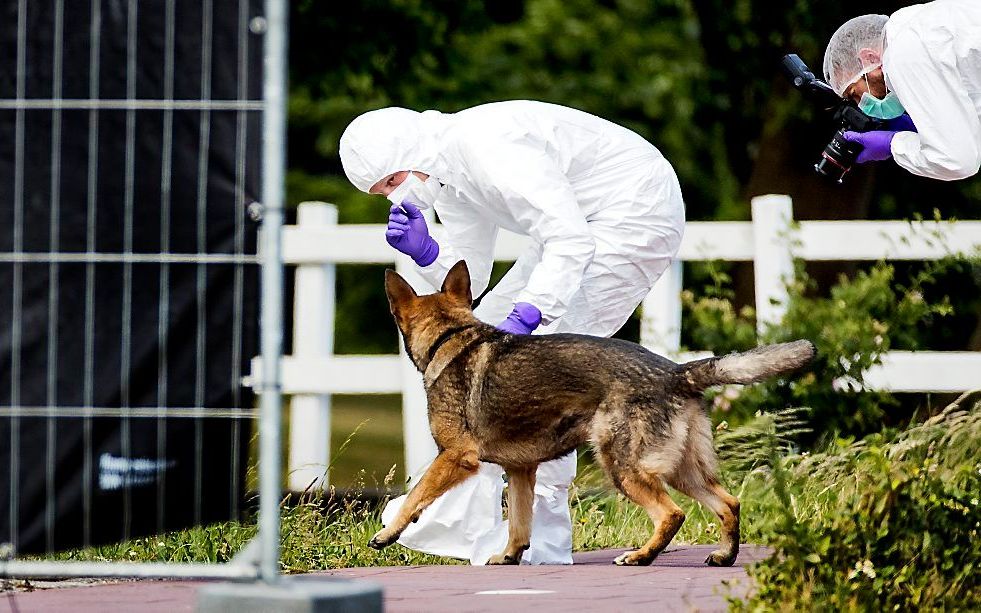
518, 401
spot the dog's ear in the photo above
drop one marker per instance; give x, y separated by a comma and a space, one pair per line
457, 282
398, 289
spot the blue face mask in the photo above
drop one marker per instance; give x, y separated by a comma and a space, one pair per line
887, 108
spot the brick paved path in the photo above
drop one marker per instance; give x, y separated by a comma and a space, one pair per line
677, 581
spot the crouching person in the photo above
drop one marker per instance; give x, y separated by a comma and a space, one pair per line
605, 215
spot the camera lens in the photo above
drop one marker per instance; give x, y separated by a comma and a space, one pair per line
830, 167
838, 157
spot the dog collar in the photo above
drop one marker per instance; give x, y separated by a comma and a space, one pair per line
445, 336
434, 368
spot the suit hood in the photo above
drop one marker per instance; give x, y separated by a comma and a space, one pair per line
388, 140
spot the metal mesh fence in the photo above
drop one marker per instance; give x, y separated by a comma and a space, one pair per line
130, 134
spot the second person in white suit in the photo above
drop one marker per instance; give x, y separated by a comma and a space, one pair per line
920, 69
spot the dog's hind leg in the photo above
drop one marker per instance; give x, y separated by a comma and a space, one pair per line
698, 478
647, 490
521, 496
726, 506
451, 467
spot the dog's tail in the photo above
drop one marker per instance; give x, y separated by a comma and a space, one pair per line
747, 367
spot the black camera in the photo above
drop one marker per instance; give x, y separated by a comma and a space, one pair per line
839, 155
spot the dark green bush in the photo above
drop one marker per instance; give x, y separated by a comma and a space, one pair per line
889, 522
859, 319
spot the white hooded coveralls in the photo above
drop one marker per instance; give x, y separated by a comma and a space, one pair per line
604, 211
932, 60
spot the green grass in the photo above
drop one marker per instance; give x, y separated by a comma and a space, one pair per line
366, 441
325, 531
375, 448
321, 533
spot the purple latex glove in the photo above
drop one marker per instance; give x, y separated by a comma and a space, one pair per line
903, 123
524, 318
876, 145
408, 233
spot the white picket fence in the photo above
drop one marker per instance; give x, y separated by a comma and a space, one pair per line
771, 241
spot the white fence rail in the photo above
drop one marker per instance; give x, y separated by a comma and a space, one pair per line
771, 241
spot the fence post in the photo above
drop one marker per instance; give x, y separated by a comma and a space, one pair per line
773, 262
660, 313
313, 337
271, 323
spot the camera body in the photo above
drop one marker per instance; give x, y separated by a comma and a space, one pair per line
839, 154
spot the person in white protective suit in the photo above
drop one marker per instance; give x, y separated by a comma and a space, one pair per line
920, 69
604, 212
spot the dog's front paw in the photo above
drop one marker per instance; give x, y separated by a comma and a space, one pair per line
720, 558
382, 539
634, 558
503, 559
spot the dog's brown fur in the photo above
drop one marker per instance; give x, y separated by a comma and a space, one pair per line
518, 401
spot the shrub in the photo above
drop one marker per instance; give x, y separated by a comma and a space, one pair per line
883, 524
859, 319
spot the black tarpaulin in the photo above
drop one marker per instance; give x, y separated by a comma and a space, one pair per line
84, 335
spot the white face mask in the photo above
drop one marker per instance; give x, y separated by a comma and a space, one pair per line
421, 193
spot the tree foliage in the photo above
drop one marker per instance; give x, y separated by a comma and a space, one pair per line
700, 79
